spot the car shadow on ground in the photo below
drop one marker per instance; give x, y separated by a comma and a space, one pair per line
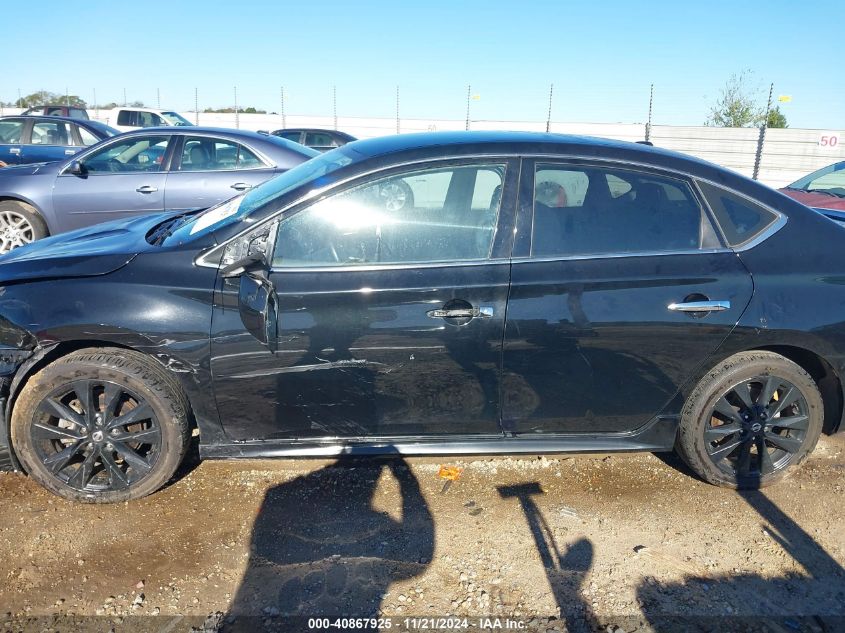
753, 601
320, 548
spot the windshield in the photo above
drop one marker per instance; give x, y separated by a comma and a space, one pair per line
830, 179
174, 118
237, 208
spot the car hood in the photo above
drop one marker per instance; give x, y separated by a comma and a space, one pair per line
96, 250
816, 200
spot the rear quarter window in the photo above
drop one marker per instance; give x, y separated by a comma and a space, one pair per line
741, 219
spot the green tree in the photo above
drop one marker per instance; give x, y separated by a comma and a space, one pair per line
45, 97
741, 103
776, 118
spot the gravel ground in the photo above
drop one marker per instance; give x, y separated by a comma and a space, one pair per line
610, 543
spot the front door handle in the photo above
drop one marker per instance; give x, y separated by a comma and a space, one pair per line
241, 186
146, 189
700, 306
15, 150
70, 152
484, 312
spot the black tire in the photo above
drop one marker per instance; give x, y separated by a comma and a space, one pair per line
104, 453
23, 220
716, 417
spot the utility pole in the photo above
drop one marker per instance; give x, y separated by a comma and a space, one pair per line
334, 105
96, 105
158, 98
196, 106
469, 92
397, 109
237, 115
282, 99
549, 117
648, 125
761, 139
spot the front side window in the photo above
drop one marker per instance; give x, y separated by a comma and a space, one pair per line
207, 154
595, 211
51, 133
11, 132
425, 216
127, 118
137, 154
291, 136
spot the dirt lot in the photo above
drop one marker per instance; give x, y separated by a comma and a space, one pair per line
611, 543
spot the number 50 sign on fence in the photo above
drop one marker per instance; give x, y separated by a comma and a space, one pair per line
829, 140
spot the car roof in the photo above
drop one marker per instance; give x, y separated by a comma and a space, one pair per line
516, 142
199, 129
50, 117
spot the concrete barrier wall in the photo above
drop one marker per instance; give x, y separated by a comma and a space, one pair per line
788, 154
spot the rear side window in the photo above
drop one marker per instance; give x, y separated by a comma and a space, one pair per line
741, 220
124, 117
594, 211
52, 133
11, 131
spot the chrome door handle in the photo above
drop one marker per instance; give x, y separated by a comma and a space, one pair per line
484, 312
15, 150
700, 306
69, 152
241, 186
146, 189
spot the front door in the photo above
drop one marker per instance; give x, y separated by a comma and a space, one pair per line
389, 316
600, 334
122, 179
11, 140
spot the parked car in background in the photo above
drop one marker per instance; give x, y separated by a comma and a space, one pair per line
551, 294
128, 118
136, 173
321, 140
823, 189
72, 112
42, 139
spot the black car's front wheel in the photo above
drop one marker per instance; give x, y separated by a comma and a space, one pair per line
101, 426
750, 421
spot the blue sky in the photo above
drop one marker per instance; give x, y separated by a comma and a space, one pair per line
601, 56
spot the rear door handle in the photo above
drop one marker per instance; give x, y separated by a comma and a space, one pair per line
146, 189
70, 152
484, 312
700, 306
241, 186
15, 150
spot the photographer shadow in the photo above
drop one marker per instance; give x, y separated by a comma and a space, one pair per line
320, 549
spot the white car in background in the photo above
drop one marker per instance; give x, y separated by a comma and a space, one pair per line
131, 118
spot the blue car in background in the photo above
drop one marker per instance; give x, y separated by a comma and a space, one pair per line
47, 138
138, 173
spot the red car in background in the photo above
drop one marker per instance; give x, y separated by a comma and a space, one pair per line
823, 189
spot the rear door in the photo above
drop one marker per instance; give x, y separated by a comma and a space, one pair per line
389, 320
208, 170
599, 336
121, 179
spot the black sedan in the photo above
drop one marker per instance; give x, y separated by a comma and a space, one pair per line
543, 294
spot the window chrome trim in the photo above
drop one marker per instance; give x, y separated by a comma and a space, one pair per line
203, 259
563, 258
451, 263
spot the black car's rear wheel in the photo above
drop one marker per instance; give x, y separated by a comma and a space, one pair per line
101, 426
750, 421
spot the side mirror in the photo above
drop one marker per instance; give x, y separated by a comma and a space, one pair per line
257, 307
250, 264
77, 168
